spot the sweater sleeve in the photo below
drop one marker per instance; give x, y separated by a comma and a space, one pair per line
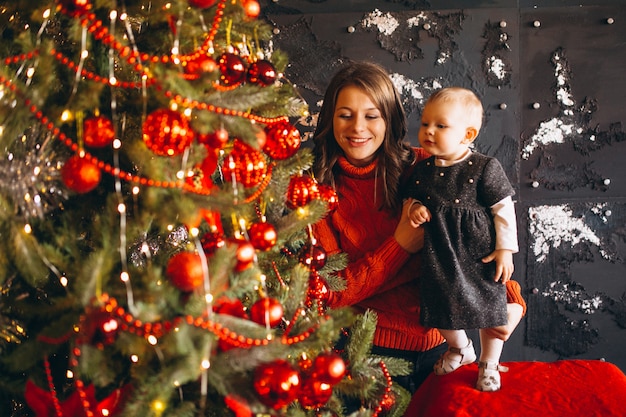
514, 294
367, 275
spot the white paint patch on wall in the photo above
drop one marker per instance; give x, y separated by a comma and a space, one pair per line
384, 22
551, 131
552, 226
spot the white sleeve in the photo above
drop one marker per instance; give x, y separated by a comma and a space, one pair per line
505, 223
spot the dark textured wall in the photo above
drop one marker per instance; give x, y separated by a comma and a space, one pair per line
552, 81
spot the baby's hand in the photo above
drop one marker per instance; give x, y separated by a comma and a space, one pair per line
418, 214
504, 264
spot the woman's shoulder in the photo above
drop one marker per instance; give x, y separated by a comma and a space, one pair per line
420, 154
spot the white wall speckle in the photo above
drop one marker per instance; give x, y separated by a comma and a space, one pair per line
564, 293
551, 131
385, 23
551, 226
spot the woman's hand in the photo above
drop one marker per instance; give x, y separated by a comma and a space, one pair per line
411, 239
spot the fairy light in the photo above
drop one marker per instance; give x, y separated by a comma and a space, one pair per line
135, 190
121, 208
66, 116
69, 374
28, 229
181, 175
134, 358
117, 144
63, 280
124, 276
153, 340
46, 14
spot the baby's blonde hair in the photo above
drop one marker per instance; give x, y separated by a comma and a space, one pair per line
467, 98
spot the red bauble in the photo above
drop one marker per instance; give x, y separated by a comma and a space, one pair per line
282, 141
233, 69
202, 4
167, 132
230, 306
262, 73
262, 235
214, 140
202, 64
244, 165
245, 254
301, 191
314, 393
252, 8
329, 368
276, 383
212, 241
200, 180
185, 271
100, 328
328, 194
80, 174
314, 256
98, 131
267, 312
318, 290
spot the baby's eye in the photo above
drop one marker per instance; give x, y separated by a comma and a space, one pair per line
442, 126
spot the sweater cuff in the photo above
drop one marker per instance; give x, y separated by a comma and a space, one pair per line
392, 255
514, 294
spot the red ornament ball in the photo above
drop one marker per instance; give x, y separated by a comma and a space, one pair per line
185, 271
214, 140
200, 180
100, 328
301, 191
98, 131
244, 165
282, 140
232, 68
276, 383
202, 4
167, 132
314, 256
262, 235
230, 306
252, 8
328, 194
328, 368
262, 73
199, 65
314, 393
245, 254
318, 290
211, 242
80, 174
267, 312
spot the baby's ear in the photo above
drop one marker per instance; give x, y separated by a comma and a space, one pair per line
470, 134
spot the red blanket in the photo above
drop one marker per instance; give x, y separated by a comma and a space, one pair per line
567, 388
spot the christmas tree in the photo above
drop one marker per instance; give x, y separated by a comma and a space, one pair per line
156, 252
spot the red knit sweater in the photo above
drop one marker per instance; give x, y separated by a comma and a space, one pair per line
381, 275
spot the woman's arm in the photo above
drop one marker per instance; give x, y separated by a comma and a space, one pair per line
376, 270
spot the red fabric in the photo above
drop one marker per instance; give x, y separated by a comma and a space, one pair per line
567, 388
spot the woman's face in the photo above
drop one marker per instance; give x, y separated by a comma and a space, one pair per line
358, 126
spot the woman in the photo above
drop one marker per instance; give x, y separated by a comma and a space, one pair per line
360, 150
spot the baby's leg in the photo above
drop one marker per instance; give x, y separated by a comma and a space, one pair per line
460, 352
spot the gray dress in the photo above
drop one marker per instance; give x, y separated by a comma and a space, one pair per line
458, 290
